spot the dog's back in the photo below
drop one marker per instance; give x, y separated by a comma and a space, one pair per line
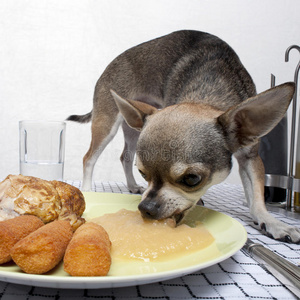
182, 66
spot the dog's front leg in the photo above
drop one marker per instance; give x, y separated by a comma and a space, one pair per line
252, 175
130, 138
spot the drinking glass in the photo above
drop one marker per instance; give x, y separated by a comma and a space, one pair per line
42, 149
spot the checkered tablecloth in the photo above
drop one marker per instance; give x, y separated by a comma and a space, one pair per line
238, 277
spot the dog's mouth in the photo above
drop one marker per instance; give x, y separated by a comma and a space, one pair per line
177, 218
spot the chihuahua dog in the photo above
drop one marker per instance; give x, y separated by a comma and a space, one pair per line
186, 105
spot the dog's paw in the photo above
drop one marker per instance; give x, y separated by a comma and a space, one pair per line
136, 189
86, 187
279, 231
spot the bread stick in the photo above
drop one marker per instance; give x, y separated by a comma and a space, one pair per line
43, 249
88, 253
13, 230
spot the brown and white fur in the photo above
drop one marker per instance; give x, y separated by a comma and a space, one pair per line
186, 105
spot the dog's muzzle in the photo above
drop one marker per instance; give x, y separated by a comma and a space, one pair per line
152, 210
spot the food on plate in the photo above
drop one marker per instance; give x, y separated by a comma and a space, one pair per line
48, 200
13, 230
28, 195
88, 253
43, 249
134, 237
72, 203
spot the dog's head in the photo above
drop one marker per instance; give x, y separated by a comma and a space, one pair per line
186, 148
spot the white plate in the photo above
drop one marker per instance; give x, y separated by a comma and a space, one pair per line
229, 234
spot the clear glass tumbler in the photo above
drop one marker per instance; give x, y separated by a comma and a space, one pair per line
42, 149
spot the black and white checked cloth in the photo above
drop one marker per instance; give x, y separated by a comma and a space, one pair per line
238, 277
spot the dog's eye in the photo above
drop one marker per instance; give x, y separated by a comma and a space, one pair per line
191, 180
143, 174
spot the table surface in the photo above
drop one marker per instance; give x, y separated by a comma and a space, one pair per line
238, 277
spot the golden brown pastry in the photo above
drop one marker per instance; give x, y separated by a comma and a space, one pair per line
72, 203
48, 200
13, 230
42, 250
88, 253
28, 195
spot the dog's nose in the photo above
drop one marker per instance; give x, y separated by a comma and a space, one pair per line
149, 209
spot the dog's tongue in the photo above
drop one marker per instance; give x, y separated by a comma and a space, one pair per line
171, 222
174, 220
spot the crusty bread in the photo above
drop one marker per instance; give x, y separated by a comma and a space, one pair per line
48, 200
88, 253
42, 250
13, 230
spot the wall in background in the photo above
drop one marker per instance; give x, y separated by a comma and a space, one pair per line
52, 53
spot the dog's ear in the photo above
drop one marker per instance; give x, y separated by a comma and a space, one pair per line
134, 112
246, 122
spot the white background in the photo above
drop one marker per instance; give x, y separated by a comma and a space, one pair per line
53, 51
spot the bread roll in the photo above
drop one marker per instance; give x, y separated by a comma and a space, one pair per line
43, 249
13, 230
88, 253
48, 200
29, 195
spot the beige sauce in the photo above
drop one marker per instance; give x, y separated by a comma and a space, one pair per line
136, 238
